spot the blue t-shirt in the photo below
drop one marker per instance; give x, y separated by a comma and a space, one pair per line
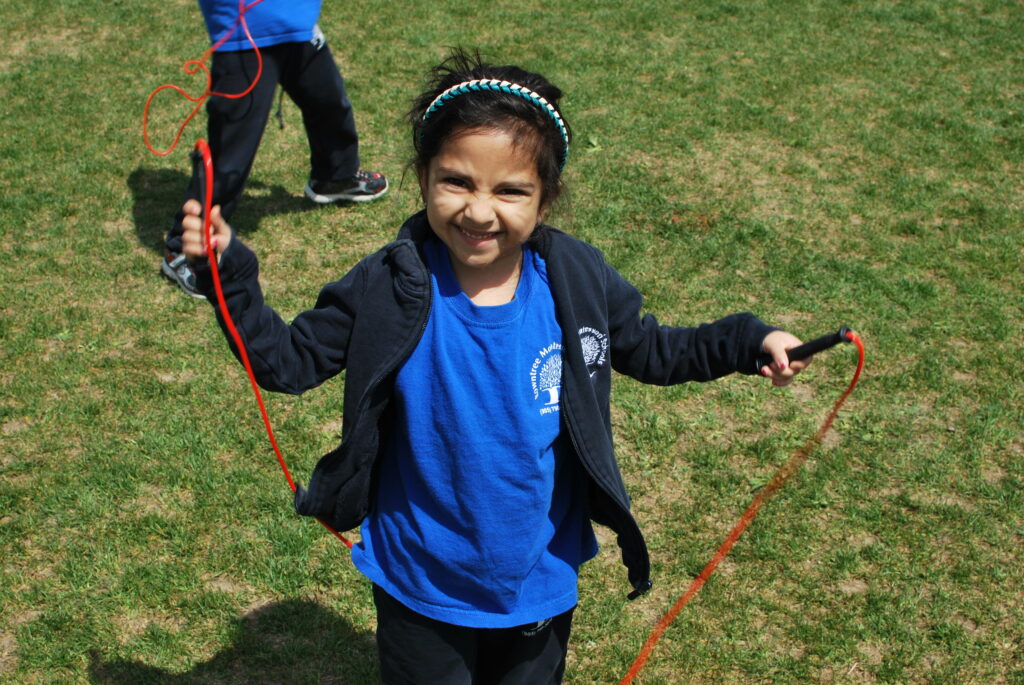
480, 516
271, 22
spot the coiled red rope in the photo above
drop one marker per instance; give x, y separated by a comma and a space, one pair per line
778, 480
194, 65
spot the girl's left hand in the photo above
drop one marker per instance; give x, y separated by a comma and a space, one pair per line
781, 370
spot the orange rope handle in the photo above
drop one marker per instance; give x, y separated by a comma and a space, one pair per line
778, 480
193, 66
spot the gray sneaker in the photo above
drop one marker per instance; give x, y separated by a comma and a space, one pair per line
363, 187
176, 268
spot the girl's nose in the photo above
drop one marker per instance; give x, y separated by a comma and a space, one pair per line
479, 210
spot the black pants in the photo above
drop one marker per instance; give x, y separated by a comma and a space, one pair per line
308, 74
415, 649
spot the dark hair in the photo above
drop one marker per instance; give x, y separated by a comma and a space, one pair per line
527, 122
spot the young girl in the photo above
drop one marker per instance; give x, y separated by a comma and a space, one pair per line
478, 349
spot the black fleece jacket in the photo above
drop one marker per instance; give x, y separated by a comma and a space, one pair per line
369, 322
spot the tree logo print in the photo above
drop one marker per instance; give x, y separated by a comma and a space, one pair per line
546, 377
595, 348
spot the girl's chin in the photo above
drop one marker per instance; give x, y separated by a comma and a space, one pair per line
491, 259
475, 261
485, 251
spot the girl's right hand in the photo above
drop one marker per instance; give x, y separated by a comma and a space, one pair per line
193, 243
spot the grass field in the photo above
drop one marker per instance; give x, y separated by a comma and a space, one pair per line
816, 163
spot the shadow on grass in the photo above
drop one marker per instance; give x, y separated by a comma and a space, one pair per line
159, 193
295, 641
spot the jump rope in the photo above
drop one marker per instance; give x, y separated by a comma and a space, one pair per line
204, 165
195, 65
784, 473
203, 161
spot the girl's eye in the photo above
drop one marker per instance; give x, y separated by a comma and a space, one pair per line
513, 191
453, 181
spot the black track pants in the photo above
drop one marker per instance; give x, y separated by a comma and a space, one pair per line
418, 650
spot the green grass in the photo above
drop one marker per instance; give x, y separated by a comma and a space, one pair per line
817, 163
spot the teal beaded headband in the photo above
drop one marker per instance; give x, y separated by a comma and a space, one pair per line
499, 86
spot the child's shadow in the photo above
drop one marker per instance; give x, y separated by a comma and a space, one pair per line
295, 641
159, 193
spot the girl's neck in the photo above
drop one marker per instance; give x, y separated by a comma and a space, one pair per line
491, 286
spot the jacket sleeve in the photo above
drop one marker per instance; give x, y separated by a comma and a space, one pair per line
288, 358
665, 355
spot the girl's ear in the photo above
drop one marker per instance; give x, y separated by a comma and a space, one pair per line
423, 176
542, 213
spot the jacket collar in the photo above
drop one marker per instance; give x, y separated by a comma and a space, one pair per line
415, 228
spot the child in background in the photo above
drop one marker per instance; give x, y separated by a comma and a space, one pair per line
478, 349
294, 53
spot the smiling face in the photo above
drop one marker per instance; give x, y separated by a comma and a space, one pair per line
483, 197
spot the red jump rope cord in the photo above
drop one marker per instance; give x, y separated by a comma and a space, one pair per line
207, 161
202, 148
195, 65
777, 481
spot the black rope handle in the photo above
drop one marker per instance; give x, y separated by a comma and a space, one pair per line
804, 351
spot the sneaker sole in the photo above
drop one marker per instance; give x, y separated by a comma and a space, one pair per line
341, 197
171, 275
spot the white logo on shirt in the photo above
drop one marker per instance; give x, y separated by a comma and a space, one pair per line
546, 377
318, 40
595, 348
